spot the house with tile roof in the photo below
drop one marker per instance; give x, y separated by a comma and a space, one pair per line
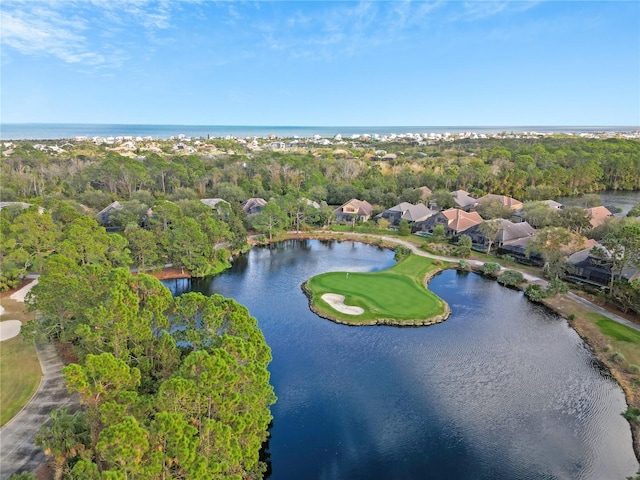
598, 215
425, 193
454, 220
354, 210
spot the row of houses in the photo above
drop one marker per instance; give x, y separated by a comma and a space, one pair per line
512, 238
586, 265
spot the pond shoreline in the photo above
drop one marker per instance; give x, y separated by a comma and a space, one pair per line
379, 321
589, 335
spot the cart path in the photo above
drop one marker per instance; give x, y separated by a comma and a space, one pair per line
530, 278
17, 450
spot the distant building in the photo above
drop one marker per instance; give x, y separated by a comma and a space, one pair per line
103, 215
253, 205
353, 210
510, 202
21, 205
217, 204
463, 200
426, 193
598, 215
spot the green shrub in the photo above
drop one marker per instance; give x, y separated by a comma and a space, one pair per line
401, 252
617, 357
632, 414
534, 292
633, 368
571, 317
490, 268
22, 476
556, 286
404, 229
607, 348
464, 265
510, 278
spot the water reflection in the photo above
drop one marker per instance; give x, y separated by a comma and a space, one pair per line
503, 389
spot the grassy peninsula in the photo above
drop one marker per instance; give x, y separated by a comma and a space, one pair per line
396, 296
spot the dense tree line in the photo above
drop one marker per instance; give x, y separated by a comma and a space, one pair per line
170, 387
527, 169
187, 234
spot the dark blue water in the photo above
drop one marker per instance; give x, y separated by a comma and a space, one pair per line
501, 390
51, 131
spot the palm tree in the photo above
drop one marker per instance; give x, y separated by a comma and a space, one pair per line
63, 437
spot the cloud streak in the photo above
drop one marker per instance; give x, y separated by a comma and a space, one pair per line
84, 33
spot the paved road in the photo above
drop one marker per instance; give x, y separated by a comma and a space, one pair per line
17, 451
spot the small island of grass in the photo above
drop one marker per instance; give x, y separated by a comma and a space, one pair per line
396, 296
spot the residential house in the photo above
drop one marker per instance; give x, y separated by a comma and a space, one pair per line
454, 220
510, 202
418, 213
407, 211
253, 205
553, 204
217, 204
463, 200
354, 210
509, 233
20, 205
395, 213
517, 249
591, 266
311, 203
598, 215
103, 215
426, 193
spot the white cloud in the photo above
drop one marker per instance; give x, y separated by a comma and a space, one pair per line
480, 10
85, 32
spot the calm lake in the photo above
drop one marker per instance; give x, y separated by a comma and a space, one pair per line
501, 390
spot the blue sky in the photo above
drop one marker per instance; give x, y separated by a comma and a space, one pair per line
321, 63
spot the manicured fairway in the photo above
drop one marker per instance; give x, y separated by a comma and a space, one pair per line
396, 294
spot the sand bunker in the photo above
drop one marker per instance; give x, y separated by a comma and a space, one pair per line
20, 294
337, 302
9, 329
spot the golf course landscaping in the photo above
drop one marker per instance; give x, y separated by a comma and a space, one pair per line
396, 296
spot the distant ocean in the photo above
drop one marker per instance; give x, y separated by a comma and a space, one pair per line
54, 131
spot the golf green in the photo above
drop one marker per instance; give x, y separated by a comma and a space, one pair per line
396, 296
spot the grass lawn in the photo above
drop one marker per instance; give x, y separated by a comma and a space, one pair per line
621, 338
19, 376
394, 294
20, 370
